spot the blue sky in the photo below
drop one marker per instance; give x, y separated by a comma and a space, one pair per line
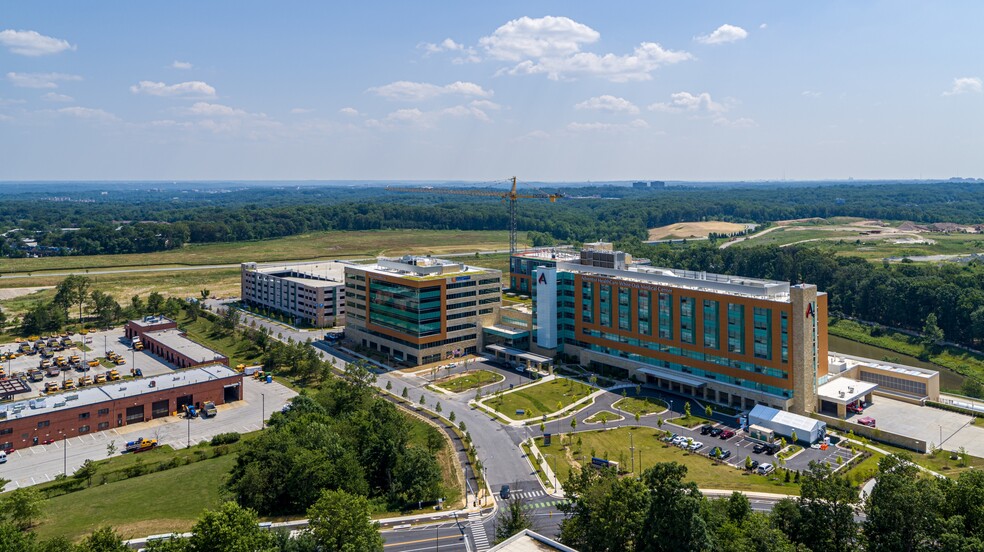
483, 91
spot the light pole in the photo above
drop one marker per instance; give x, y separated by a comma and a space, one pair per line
65, 458
262, 411
632, 451
189, 429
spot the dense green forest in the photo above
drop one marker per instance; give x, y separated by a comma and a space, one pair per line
134, 221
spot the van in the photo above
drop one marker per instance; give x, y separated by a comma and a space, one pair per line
3, 457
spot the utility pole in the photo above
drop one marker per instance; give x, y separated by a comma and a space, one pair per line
65, 459
262, 410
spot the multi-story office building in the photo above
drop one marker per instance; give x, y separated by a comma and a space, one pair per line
420, 309
727, 339
311, 294
600, 254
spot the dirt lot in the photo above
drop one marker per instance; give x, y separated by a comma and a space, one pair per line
13, 293
682, 230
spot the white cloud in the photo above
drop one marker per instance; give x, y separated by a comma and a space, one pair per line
32, 43
87, 113
181, 65
414, 117
40, 80
741, 122
965, 85
685, 101
349, 111
300, 110
608, 103
205, 109
485, 104
764, 26
527, 38
723, 34
446, 45
533, 136
55, 97
812, 94
419, 91
608, 127
190, 88
552, 46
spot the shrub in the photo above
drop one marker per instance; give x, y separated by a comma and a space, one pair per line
225, 439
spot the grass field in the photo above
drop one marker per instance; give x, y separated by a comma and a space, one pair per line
602, 417
239, 351
684, 230
321, 245
691, 421
642, 406
944, 244
791, 234
540, 399
469, 380
614, 444
155, 503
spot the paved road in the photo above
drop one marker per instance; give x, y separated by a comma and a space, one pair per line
448, 536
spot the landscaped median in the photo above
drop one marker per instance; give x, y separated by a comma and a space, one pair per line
465, 381
542, 398
643, 406
614, 445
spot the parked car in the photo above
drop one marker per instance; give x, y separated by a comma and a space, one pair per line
727, 434
855, 408
765, 469
759, 448
706, 430
868, 421
754, 464
718, 452
716, 432
504, 492
695, 446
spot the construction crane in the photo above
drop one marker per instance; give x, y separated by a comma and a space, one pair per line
512, 196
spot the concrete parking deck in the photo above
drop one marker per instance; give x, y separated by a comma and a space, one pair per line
939, 427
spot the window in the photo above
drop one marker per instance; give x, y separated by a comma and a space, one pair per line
711, 330
45, 423
736, 328
624, 309
84, 429
665, 316
587, 302
6, 431
102, 426
605, 305
687, 319
644, 298
784, 335
84, 416
762, 332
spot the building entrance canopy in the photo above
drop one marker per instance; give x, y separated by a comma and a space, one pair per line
669, 375
845, 390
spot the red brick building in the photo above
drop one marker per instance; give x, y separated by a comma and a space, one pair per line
161, 337
55, 417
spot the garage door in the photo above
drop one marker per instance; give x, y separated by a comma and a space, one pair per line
231, 393
159, 409
135, 414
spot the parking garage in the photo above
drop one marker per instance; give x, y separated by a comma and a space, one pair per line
835, 396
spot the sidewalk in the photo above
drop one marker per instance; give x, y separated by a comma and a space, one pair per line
548, 473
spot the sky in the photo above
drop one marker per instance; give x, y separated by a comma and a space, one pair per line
547, 91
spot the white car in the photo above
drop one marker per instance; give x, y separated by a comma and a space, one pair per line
765, 469
695, 446
680, 440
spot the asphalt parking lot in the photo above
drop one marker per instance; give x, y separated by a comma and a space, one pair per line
937, 427
112, 340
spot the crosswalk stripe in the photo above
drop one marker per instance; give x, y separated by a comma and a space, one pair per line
479, 537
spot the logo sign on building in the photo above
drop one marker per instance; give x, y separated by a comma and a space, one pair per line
811, 310
546, 307
462, 278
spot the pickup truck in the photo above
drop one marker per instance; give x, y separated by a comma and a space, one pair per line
140, 445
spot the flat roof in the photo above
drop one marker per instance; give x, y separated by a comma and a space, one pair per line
788, 419
503, 331
148, 321
313, 282
311, 273
112, 391
174, 340
845, 390
429, 268
688, 279
526, 355
850, 361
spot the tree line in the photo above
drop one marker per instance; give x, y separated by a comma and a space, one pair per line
660, 511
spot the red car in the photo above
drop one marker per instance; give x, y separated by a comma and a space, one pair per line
47, 441
868, 421
855, 408
727, 434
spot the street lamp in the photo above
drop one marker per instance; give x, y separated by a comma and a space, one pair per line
262, 410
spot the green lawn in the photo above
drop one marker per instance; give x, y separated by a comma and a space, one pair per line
469, 380
603, 416
541, 398
159, 502
940, 462
642, 405
614, 444
876, 250
318, 245
690, 421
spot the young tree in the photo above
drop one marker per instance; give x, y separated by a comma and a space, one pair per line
104, 539
437, 407
231, 527
24, 506
155, 302
341, 522
686, 409
512, 519
73, 291
451, 416
423, 400
637, 416
793, 437
708, 411
389, 385
405, 394
85, 472
932, 333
